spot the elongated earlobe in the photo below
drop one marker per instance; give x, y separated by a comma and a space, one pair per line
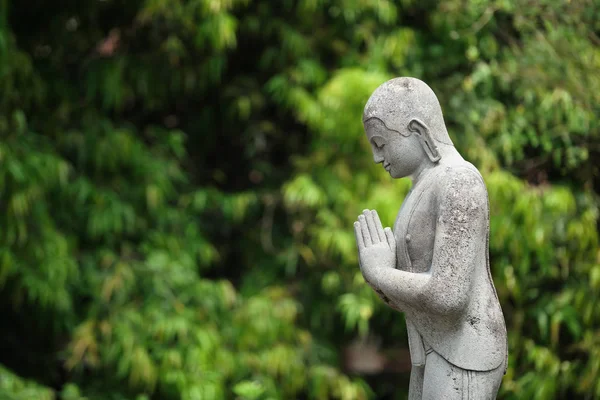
427, 142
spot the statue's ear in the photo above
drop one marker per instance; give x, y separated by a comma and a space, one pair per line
427, 142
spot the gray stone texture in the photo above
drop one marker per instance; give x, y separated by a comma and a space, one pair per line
433, 265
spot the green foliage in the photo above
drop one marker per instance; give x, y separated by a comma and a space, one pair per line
13, 387
178, 181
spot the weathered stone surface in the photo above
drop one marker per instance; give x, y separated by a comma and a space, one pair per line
433, 265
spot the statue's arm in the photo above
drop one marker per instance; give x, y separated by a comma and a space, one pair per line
460, 232
460, 241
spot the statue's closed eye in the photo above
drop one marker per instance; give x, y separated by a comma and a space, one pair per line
379, 144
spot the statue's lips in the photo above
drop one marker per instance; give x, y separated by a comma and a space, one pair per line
387, 167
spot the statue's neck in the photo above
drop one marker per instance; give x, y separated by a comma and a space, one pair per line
449, 155
422, 172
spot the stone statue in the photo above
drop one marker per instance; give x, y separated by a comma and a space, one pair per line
434, 265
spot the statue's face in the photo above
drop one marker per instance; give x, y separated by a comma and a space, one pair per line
400, 155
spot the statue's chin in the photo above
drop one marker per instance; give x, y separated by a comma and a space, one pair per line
397, 175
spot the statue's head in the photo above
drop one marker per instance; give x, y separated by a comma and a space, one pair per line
404, 123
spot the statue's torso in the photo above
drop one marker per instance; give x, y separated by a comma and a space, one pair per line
414, 228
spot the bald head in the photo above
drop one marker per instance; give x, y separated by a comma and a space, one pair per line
400, 100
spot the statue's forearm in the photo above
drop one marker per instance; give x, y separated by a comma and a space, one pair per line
400, 287
408, 290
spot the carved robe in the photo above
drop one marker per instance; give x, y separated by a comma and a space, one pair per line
442, 229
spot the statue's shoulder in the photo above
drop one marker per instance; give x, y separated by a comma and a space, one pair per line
460, 180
